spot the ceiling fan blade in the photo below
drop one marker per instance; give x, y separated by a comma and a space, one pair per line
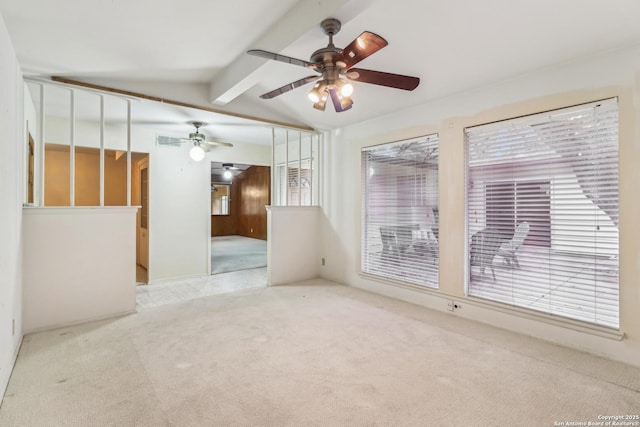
364, 45
218, 143
397, 81
288, 87
282, 58
340, 103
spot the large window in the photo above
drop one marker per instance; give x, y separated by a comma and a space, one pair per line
542, 212
400, 211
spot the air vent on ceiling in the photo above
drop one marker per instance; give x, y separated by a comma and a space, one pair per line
168, 140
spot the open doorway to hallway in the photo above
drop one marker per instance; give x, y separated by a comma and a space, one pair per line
239, 194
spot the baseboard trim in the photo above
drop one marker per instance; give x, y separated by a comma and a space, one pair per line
610, 344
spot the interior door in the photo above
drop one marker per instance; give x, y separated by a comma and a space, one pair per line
143, 228
31, 168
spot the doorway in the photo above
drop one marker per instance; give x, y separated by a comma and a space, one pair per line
239, 195
140, 197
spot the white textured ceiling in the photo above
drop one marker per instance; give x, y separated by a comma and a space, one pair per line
194, 50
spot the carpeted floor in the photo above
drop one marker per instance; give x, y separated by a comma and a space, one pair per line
312, 354
233, 253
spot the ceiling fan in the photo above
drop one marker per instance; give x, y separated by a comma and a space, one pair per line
335, 68
228, 167
200, 143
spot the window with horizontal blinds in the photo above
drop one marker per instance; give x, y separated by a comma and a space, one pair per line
294, 183
542, 212
400, 211
295, 168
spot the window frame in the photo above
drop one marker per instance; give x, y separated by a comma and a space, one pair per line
468, 214
416, 201
224, 198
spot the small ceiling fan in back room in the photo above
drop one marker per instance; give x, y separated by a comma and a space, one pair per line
200, 142
335, 68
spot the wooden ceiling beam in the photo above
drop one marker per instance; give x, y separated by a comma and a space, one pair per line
178, 103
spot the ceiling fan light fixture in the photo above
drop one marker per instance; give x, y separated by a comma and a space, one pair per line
346, 102
318, 92
314, 95
321, 104
227, 174
196, 153
346, 88
340, 103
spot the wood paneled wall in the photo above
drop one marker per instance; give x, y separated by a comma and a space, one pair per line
255, 194
250, 193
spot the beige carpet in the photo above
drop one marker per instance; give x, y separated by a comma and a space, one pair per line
309, 355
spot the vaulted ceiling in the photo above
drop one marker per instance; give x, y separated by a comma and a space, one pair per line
194, 51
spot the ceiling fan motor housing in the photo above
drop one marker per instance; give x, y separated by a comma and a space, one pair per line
196, 136
325, 55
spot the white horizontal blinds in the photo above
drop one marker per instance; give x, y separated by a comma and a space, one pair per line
400, 211
551, 179
294, 183
299, 183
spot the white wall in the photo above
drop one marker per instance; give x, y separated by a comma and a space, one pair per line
292, 244
78, 265
180, 204
612, 74
11, 185
179, 215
